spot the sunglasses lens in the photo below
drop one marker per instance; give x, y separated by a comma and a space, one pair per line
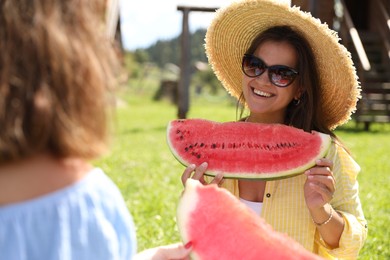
252, 66
281, 76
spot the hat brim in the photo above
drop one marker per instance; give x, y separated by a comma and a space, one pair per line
234, 28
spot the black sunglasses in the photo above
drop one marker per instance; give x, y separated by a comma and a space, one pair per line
279, 75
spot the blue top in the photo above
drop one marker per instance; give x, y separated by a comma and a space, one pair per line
87, 220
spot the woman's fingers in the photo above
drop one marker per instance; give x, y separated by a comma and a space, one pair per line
324, 191
324, 162
327, 181
218, 179
320, 178
197, 173
176, 251
187, 173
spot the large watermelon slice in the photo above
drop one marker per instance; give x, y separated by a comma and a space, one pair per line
246, 150
221, 227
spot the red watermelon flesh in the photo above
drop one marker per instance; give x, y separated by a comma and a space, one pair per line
221, 227
246, 150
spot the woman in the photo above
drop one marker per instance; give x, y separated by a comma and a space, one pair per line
286, 67
56, 70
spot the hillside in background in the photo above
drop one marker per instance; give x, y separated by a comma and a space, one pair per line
161, 62
169, 51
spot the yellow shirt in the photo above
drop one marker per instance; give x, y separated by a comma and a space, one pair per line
285, 209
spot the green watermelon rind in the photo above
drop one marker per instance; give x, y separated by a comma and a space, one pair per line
325, 146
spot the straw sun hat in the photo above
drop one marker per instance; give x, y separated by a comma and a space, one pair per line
235, 26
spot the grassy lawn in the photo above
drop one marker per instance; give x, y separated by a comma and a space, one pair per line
149, 176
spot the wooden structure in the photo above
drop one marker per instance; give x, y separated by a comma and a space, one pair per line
365, 31
168, 89
364, 28
185, 70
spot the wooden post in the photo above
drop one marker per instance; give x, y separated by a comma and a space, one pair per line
184, 82
185, 69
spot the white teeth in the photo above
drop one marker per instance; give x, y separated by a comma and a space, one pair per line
261, 93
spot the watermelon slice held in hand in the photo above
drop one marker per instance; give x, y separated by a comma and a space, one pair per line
246, 150
221, 227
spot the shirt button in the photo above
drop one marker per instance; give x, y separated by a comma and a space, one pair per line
268, 195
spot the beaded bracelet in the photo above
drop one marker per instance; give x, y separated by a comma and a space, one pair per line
326, 221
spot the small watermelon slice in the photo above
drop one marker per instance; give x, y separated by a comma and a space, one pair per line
221, 227
246, 150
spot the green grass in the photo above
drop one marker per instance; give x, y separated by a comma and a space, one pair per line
371, 151
149, 176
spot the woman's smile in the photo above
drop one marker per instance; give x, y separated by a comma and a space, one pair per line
261, 93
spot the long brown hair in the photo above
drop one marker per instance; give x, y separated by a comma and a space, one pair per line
56, 67
305, 115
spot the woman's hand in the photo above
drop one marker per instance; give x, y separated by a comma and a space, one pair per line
169, 252
319, 189
320, 184
198, 174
